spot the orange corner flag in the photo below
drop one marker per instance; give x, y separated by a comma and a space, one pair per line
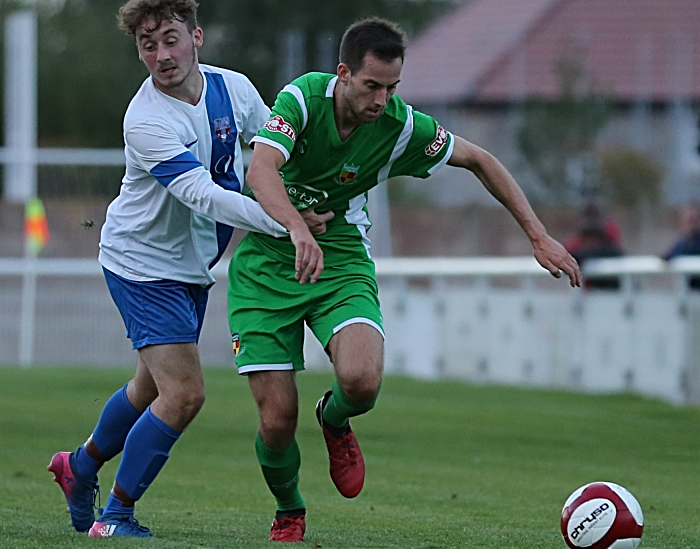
36, 228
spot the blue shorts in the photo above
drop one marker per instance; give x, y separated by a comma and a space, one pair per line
159, 312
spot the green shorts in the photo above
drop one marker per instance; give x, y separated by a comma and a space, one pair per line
268, 307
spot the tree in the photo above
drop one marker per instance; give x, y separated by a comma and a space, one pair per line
88, 73
249, 32
629, 178
557, 138
88, 69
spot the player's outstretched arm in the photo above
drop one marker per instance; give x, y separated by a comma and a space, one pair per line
197, 191
154, 147
498, 181
264, 180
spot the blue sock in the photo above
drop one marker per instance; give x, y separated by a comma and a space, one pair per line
114, 506
85, 466
146, 450
117, 418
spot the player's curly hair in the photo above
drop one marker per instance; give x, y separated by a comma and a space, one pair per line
384, 39
135, 12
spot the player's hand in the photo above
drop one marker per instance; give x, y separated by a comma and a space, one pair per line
554, 257
309, 256
316, 222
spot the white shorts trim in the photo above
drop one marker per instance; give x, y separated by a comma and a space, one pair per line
359, 320
243, 370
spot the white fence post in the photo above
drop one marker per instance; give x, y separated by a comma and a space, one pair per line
20, 106
27, 325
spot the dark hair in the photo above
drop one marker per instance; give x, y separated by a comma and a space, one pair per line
135, 12
384, 39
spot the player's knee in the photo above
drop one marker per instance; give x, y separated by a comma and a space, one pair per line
279, 423
362, 389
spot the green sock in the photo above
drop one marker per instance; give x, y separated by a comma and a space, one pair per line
338, 409
281, 472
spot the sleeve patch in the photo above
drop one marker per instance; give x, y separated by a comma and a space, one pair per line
278, 124
439, 142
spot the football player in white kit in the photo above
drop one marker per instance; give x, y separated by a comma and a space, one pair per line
171, 222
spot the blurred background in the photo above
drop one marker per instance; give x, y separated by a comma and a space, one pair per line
593, 105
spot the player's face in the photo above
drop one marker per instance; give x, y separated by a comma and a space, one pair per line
169, 53
368, 90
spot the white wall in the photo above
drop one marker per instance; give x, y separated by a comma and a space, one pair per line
644, 340
598, 342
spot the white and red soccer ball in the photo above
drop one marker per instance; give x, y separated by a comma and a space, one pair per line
602, 515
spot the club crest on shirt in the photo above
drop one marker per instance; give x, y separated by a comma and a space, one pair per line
236, 341
347, 174
222, 128
439, 142
280, 125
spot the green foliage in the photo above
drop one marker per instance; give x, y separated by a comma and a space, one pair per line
89, 70
448, 465
556, 138
630, 178
249, 31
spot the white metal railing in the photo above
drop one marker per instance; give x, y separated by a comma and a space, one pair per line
528, 266
409, 266
486, 268
63, 157
78, 157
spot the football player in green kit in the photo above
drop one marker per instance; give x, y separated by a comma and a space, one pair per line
329, 139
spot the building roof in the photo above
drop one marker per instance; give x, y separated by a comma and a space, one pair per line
505, 50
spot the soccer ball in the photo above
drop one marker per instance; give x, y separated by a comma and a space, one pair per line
602, 515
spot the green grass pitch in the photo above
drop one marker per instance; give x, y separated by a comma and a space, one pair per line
448, 465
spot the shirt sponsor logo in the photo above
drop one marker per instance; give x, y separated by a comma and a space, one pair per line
439, 142
303, 196
222, 128
222, 165
347, 174
278, 124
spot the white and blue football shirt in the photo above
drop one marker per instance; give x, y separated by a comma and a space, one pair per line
175, 212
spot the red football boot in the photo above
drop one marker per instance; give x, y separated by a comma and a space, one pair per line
288, 529
347, 466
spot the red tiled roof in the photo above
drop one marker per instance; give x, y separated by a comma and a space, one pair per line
501, 50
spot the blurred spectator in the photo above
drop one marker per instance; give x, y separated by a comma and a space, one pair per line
593, 215
594, 243
688, 242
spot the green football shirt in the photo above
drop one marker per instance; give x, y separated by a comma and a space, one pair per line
323, 171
